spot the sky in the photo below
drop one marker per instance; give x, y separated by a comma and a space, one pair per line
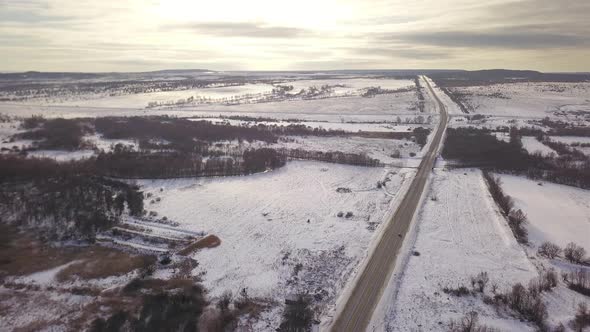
144, 35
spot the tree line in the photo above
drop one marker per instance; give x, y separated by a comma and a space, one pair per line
478, 147
359, 159
62, 201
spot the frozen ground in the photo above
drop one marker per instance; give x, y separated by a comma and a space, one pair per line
459, 233
556, 213
269, 223
528, 99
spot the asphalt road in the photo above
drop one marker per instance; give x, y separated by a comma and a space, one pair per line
357, 312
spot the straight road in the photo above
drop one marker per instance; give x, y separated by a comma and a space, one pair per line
367, 292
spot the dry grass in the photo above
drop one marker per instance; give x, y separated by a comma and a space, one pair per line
100, 262
22, 254
209, 241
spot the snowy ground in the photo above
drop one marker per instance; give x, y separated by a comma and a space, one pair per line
556, 213
268, 223
528, 99
458, 235
142, 100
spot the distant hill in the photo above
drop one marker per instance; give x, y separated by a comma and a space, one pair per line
36, 75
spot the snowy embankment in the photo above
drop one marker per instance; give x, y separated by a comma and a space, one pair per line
280, 231
459, 233
452, 108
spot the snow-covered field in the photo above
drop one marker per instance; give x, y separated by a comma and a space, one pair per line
268, 223
532, 145
60, 155
350, 127
459, 233
571, 140
377, 148
556, 213
492, 122
342, 109
379, 108
528, 99
141, 100
353, 85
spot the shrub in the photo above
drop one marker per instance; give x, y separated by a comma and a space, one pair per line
297, 316
516, 221
574, 253
459, 291
549, 250
579, 281
582, 318
33, 122
480, 281
548, 280
469, 323
528, 303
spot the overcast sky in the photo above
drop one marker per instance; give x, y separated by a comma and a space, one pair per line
130, 35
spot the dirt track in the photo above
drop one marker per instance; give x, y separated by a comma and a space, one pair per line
367, 292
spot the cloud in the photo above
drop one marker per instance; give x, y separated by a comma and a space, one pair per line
492, 39
402, 52
115, 34
238, 29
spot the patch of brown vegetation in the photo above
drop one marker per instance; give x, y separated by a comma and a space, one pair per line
101, 262
209, 241
21, 254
